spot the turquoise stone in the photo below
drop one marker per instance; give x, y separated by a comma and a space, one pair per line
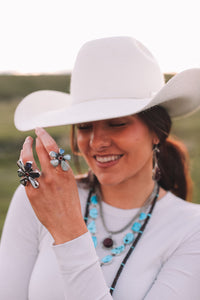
118, 250
53, 154
92, 227
94, 199
107, 259
136, 226
61, 151
93, 213
67, 156
129, 237
94, 238
142, 216
54, 162
64, 165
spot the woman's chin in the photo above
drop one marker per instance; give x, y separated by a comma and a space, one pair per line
108, 180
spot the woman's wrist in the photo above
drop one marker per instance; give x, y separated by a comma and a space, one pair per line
68, 232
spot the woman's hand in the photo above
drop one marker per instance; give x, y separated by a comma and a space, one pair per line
56, 201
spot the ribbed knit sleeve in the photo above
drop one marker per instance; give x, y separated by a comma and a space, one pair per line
19, 248
81, 271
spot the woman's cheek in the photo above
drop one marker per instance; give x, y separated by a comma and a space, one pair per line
82, 142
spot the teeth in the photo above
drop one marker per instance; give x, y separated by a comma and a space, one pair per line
107, 158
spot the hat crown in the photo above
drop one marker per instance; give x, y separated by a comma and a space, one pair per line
117, 67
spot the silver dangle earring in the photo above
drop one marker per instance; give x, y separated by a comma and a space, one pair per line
156, 173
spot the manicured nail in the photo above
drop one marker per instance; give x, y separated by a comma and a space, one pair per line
21, 153
28, 139
39, 130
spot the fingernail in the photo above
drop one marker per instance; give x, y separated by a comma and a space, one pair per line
28, 139
38, 130
20, 156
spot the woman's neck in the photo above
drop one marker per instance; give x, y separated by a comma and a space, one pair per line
127, 195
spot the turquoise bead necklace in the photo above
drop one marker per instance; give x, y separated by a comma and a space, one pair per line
130, 239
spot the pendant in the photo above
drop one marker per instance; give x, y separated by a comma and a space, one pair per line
108, 242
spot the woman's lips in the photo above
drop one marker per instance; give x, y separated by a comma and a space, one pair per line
107, 160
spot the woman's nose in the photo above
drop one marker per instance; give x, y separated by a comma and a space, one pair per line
99, 139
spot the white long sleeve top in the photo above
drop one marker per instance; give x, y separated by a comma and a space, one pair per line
164, 265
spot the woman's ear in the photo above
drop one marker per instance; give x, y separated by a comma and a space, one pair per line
156, 140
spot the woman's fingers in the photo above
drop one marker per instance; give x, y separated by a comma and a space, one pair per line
47, 141
44, 145
43, 156
27, 166
27, 152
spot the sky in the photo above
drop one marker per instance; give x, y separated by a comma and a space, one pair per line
42, 36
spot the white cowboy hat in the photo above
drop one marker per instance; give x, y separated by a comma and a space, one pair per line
112, 77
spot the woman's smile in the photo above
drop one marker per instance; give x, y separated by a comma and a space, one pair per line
116, 149
106, 161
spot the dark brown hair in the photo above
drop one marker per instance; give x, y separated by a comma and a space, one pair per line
173, 157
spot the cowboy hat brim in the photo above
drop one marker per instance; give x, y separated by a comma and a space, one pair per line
179, 96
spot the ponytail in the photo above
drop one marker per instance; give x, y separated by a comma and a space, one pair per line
174, 166
173, 158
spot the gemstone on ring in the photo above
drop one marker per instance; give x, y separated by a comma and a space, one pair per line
60, 158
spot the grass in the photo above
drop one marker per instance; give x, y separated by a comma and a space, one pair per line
20, 86
13, 88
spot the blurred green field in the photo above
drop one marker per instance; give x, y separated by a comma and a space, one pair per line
13, 88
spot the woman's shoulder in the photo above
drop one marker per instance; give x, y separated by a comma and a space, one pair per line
175, 208
179, 202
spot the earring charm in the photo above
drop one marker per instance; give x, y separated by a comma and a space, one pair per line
156, 173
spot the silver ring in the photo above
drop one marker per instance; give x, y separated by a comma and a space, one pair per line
59, 158
27, 174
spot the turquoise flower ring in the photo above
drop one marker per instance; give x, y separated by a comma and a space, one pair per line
60, 159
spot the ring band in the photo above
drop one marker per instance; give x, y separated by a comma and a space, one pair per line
60, 158
27, 174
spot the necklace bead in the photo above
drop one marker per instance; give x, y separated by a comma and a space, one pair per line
94, 239
142, 216
108, 242
136, 227
129, 237
92, 227
118, 250
94, 200
93, 213
107, 259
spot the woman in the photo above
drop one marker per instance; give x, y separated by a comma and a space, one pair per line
147, 238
